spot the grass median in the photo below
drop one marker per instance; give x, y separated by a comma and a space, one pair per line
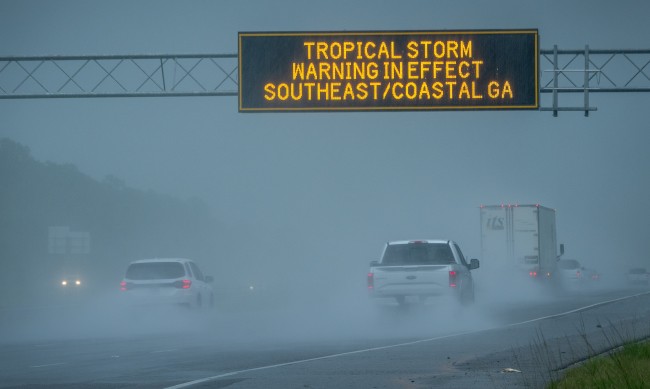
626, 368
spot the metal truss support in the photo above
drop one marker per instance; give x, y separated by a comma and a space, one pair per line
216, 75
604, 71
118, 76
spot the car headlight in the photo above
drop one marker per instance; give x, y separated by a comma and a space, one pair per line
64, 283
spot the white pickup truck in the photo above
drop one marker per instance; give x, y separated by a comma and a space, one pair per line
422, 268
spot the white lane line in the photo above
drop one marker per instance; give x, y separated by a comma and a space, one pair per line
202, 380
578, 309
49, 364
164, 351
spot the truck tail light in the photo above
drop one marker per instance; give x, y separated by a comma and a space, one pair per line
452, 278
123, 286
371, 280
533, 273
184, 284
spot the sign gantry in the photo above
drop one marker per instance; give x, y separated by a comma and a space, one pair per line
407, 70
118, 76
587, 71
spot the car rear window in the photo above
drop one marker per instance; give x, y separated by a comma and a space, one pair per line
418, 254
155, 270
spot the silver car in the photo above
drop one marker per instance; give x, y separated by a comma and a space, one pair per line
638, 276
167, 281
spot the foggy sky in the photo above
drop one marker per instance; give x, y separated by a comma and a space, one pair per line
318, 192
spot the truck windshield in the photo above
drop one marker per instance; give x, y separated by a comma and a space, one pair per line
418, 254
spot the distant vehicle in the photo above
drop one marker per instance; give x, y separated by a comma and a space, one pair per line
173, 281
70, 286
592, 274
71, 282
422, 268
519, 239
638, 276
572, 274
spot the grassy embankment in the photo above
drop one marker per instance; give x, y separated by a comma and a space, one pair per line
626, 368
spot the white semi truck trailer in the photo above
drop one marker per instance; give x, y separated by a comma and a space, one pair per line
519, 241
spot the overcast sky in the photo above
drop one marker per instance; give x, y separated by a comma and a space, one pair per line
330, 188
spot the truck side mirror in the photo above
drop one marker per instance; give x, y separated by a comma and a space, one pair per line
374, 263
473, 264
561, 248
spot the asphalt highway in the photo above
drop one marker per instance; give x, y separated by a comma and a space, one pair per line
521, 343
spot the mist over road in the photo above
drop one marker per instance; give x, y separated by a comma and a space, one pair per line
378, 345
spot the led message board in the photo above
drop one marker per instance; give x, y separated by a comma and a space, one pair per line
377, 71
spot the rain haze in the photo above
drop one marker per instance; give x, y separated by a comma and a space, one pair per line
286, 210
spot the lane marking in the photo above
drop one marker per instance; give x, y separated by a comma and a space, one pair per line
164, 351
232, 373
202, 380
49, 364
577, 309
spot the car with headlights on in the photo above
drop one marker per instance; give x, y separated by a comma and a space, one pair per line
167, 281
71, 282
69, 286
